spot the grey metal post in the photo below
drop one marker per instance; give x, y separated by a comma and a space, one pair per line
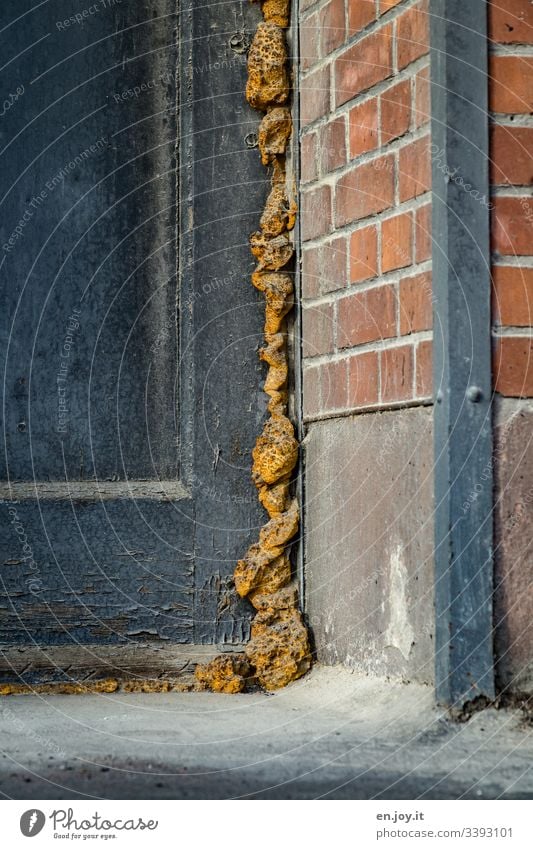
462, 352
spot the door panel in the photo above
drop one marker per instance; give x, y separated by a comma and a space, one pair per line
131, 384
88, 181
106, 571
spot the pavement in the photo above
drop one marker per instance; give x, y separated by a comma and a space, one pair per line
332, 735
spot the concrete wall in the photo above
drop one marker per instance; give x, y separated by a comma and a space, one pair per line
369, 542
514, 545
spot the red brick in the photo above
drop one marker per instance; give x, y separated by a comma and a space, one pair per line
416, 311
363, 379
414, 169
396, 242
316, 212
512, 226
422, 112
424, 369
334, 263
364, 127
395, 111
366, 317
314, 95
333, 145
334, 385
311, 391
308, 152
317, 330
397, 374
385, 5
423, 233
333, 26
512, 296
310, 41
511, 21
363, 254
363, 65
513, 366
360, 14
511, 88
511, 155
365, 190
324, 267
412, 34
310, 272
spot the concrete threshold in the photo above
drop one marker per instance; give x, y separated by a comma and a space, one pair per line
332, 735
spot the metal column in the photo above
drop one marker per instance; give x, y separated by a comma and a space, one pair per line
462, 352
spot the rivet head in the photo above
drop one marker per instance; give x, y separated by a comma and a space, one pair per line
239, 42
474, 394
251, 140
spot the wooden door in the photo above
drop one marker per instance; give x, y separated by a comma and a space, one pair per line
130, 383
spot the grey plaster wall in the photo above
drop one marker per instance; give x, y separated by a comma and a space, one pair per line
369, 541
513, 544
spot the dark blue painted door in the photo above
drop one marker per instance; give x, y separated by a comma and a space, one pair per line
130, 384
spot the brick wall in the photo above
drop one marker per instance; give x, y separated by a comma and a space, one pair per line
511, 102
366, 328
511, 152
366, 305
365, 176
